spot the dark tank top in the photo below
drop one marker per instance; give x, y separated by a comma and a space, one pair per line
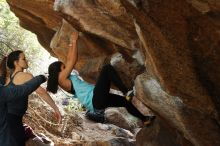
17, 106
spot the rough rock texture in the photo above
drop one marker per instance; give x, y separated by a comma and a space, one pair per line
174, 44
76, 130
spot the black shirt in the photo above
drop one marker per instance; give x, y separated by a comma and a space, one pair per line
8, 94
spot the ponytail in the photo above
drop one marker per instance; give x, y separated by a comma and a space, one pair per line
54, 71
3, 69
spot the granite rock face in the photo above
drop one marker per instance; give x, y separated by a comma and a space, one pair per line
170, 49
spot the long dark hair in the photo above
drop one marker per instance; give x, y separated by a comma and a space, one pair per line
3, 70
12, 57
9, 62
53, 70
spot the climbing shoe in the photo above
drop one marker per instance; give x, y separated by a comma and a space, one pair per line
96, 116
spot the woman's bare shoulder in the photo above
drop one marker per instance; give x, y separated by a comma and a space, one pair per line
22, 77
25, 75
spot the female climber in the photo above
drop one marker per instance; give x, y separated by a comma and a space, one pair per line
93, 97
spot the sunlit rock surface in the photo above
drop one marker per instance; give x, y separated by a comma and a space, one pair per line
174, 45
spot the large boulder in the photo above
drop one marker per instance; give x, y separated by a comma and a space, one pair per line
174, 44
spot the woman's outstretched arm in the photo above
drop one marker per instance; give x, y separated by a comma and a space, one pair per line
20, 91
44, 95
71, 59
47, 98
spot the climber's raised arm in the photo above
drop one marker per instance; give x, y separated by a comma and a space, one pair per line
71, 57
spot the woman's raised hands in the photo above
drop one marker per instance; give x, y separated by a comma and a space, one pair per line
74, 36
